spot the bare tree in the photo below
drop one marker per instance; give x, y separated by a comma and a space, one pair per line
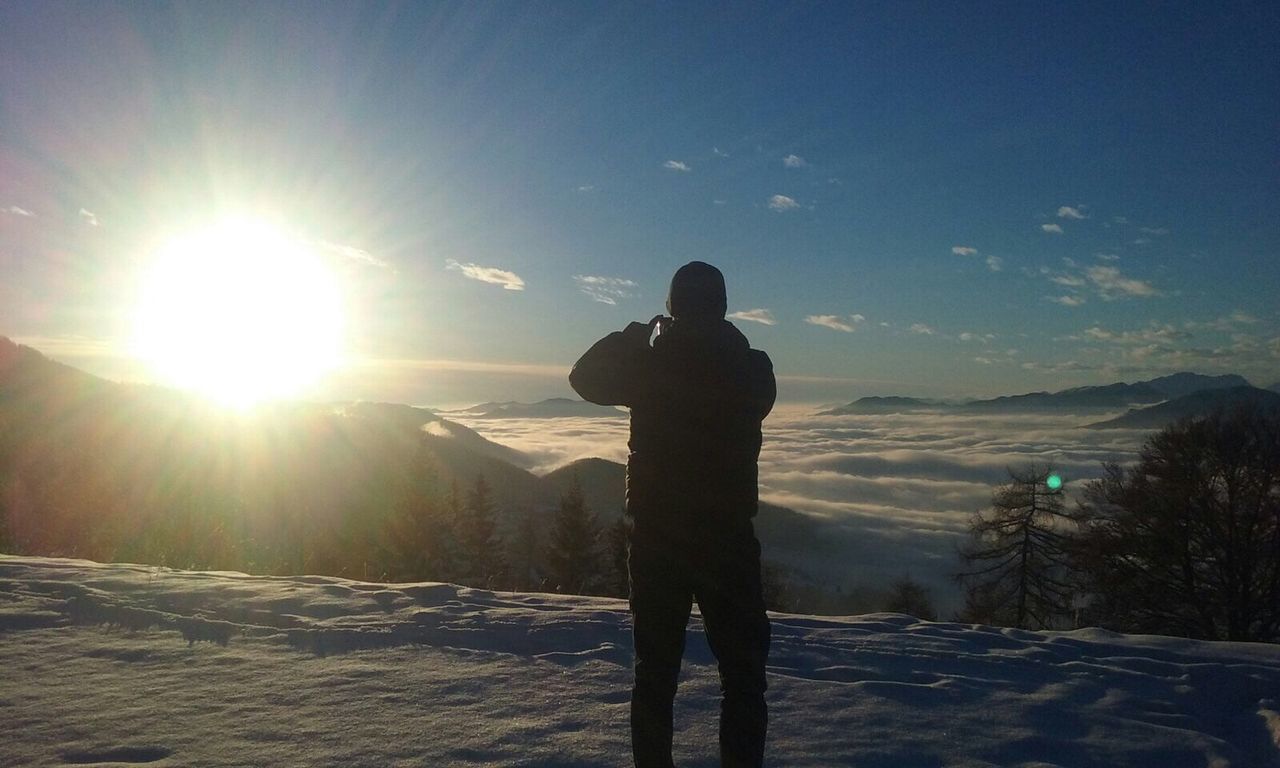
1187, 541
1017, 566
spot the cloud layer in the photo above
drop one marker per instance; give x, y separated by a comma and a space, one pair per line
606, 290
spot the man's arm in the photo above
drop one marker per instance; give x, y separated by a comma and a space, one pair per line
763, 387
613, 371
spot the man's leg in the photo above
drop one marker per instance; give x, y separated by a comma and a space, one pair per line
661, 600
732, 604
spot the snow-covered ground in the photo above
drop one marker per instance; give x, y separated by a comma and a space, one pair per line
130, 664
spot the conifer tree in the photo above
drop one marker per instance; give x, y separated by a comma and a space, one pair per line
617, 541
480, 544
1018, 557
573, 558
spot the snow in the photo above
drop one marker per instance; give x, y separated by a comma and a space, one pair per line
128, 664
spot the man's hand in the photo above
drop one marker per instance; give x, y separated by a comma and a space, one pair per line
639, 333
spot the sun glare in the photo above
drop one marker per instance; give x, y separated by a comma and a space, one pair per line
240, 312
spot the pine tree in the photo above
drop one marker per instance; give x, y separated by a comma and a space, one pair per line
617, 545
481, 546
524, 554
573, 558
1019, 569
910, 597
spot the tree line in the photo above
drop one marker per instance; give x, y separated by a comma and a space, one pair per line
1184, 542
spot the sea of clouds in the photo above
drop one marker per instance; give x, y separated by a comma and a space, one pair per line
896, 490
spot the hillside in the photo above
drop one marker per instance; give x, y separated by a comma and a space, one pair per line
124, 664
1197, 404
552, 408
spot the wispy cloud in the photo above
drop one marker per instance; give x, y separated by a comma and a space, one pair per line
1051, 228
782, 203
995, 263
606, 290
1112, 284
353, 253
1154, 230
762, 316
676, 165
921, 329
834, 322
89, 217
508, 280
1153, 334
794, 161
587, 188
16, 211
985, 338
1067, 301
1068, 212
964, 250
1070, 281
1108, 256
718, 153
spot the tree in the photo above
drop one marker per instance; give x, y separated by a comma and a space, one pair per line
1187, 541
524, 564
1018, 569
481, 546
910, 597
574, 557
617, 549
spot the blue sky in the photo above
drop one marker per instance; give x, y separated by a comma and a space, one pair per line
921, 199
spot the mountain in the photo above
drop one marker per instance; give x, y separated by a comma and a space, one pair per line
1274, 387
1118, 395
553, 408
1196, 404
1181, 384
876, 404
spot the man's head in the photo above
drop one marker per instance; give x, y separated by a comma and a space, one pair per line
697, 292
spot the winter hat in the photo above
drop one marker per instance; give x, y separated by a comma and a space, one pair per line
697, 291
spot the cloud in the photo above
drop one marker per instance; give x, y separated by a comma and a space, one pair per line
587, 188
963, 250
921, 329
354, 254
1153, 334
1070, 281
676, 165
762, 316
89, 217
834, 322
995, 263
782, 203
1121, 219
508, 280
1112, 284
1052, 228
16, 211
718, 153
794, 161
1067, 212
1108, 256
606, 290
1154, 230
1067, 301
985, 338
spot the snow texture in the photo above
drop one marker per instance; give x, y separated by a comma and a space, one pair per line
132, 665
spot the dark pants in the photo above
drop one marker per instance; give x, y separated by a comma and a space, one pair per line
722, 572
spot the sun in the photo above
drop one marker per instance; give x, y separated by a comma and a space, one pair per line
240, 312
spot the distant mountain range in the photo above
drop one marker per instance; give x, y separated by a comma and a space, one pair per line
1108, 396
1192, 405
553, 408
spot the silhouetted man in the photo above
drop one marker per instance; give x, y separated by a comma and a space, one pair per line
697, 397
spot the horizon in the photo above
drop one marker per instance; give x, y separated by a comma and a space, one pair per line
450, 203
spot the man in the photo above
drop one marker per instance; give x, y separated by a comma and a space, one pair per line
697, 397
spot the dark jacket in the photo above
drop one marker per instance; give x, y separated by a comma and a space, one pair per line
697, 398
